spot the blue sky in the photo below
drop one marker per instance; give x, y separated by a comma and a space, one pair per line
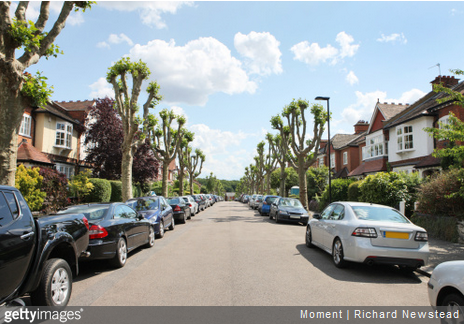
230, 66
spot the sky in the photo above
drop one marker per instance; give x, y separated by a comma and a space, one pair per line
230, 66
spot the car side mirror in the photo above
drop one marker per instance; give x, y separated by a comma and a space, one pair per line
140, 216
317, 216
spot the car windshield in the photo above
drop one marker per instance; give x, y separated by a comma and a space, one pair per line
373, 213
144, 204
91, 212
270, 200
173, 201
290, 202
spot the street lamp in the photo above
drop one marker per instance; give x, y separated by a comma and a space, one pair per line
328, 143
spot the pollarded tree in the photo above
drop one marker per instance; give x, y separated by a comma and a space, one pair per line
134, 128
182, 158
166, 142
280, 146
303, 150
270, 163
192, 163
17, 88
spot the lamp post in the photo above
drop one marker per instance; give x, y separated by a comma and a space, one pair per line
328, 144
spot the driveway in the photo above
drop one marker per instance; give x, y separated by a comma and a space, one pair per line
441, 251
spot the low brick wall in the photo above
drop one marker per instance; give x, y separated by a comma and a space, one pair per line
441, 227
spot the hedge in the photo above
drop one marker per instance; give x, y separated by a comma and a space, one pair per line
116, 190
101, 191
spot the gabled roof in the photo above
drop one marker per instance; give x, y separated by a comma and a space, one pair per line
76, 105
55, 109
342, 140
27, 152
387, 110
423, 107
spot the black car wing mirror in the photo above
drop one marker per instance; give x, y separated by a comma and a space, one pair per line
317, 216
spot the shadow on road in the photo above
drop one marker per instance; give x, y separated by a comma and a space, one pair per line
356, 272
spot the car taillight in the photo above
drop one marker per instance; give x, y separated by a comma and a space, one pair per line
421, 236
364, 232
177, 208
97, 231
190, 205
264, 203
86, 222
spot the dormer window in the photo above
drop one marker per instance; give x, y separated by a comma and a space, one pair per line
63, 135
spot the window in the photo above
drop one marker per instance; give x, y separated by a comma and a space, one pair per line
332, 160
63, 134
375, 146
68, 170
25, 128
10, 198
321, 161
7, 217
345, 158
404, 138
443, 122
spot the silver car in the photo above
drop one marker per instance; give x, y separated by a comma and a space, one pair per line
446, 285
368, 233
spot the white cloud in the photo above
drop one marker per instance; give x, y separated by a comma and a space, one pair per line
101, 89
455, 12
352, 78
115, 39
313, 54
393, 38
150, 11
262, 52
365, 104
192, 72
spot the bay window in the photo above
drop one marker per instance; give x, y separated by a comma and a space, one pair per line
404, 138
63, 134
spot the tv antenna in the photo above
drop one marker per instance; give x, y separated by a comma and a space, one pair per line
439, 69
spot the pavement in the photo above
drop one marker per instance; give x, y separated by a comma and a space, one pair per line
441, 251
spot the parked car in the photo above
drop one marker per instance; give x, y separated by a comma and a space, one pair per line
156, 210
368, 233
251, 200
200, 201
255, 203
181, 211
115, 230
38, 256
289, 210
192, 204
446, 285
265, 205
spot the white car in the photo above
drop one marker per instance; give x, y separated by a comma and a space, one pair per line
368, 233
446, 285
193, 205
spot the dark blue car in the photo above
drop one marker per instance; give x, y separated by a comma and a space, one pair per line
265, 206
156, 210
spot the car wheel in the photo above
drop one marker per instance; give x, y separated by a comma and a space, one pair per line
337, 254
277, 217
55, 285
309, 238
453, 300
270, 215
184, 218
171, 227
190, 214
120, 258
161, 231
151, 237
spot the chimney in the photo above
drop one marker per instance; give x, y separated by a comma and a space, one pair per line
447, 81
361, 126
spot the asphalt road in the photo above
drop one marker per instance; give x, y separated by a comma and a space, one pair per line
229, 255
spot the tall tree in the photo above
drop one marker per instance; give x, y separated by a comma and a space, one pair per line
134, 128
182, 158
17, 88
270, 163
192, 164
166, 141
259, 167
303, 150
280, 146
104, 138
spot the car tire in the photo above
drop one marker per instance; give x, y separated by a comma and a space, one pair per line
277, 218
190, 214
309, 237
55, 285
161, 231
337, 254
270, 216
171, 227
453, 300
120, 258
184, 218
151, 237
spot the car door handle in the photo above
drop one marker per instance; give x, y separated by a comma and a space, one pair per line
27, 236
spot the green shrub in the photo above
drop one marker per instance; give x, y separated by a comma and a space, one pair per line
137, 191
442, 194
116, 190
443, 228
55, 185
28, 182
353, 191
101, 191
339, 191
79, 185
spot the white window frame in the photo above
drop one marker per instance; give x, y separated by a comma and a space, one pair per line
443, 121
375, 146
404, 138
332, 160
66, 169
321, 161
26, 122
345, 158
63, 136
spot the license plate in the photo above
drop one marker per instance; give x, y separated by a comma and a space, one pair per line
295, 217
396, 235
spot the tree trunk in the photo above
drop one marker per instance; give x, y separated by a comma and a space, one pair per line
191, 182
126, 173
181, 181
302, 182
283, 177
165, 178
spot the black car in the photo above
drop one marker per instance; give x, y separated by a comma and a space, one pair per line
181, 210
289, 210
115, 230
